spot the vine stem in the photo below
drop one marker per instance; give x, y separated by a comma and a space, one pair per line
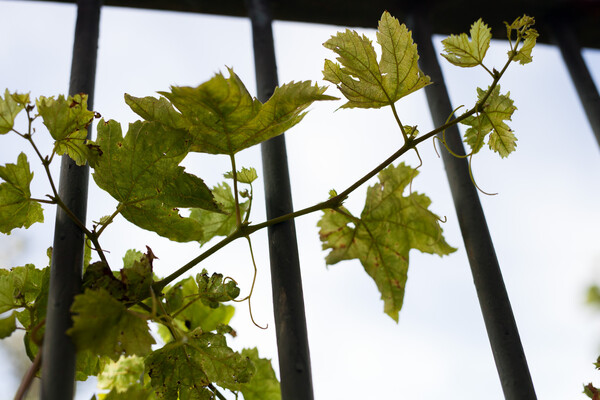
238, 216
335, 201
29, 376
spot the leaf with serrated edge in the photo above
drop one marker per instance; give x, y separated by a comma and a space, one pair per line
465, 52
9, 109
194, 363
367, 83
103, 325
142, 172
264, 384
16, 207
246, 175
498, 108
67, 121
219, 224
223, 118
391, 224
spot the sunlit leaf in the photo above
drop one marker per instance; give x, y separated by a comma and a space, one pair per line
16, 207
367, 83
67, 121
468, 52
528, 35
246, 175
223, 118
9, 109
390, 225
121, 374
497, 109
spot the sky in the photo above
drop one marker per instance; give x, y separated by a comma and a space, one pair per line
544, 221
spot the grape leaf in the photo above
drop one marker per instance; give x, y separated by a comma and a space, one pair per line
188, 366
134, 392
196, 314
497, 109
529, 36
103, 325
121, 374
9, 109
219, 224
389, 227
367, 83
17, 209
223, 118
88, 364
8, 325
465, 52
214, 289
21, 287
142, 172
67, 121
264, 384
246, 175
138, 276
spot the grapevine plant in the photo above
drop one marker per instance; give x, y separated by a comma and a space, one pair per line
141, 170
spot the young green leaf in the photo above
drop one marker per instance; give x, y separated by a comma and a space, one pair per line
142, 172
223, 118
264, 384
214, 290
465, 52
9, 109
184, 368
391, 224
497, 109
67, 121
16, 207
219, 224
367, 83
103, 325
246, 175
134, 392
183, 301
528, 35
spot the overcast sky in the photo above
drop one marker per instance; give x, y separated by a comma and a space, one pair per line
544, 221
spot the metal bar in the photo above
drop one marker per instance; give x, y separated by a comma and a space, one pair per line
58, 357
493, 298
562, 32
288, 300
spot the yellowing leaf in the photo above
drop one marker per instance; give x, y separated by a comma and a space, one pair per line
103, 325
390, 225
184, 369
497, 109
367, 83
9, 109
142, 172
465, 52
222, 117
16, 207
121, 374
67, 121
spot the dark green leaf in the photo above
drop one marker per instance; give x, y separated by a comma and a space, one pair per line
103, 324
192, 364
